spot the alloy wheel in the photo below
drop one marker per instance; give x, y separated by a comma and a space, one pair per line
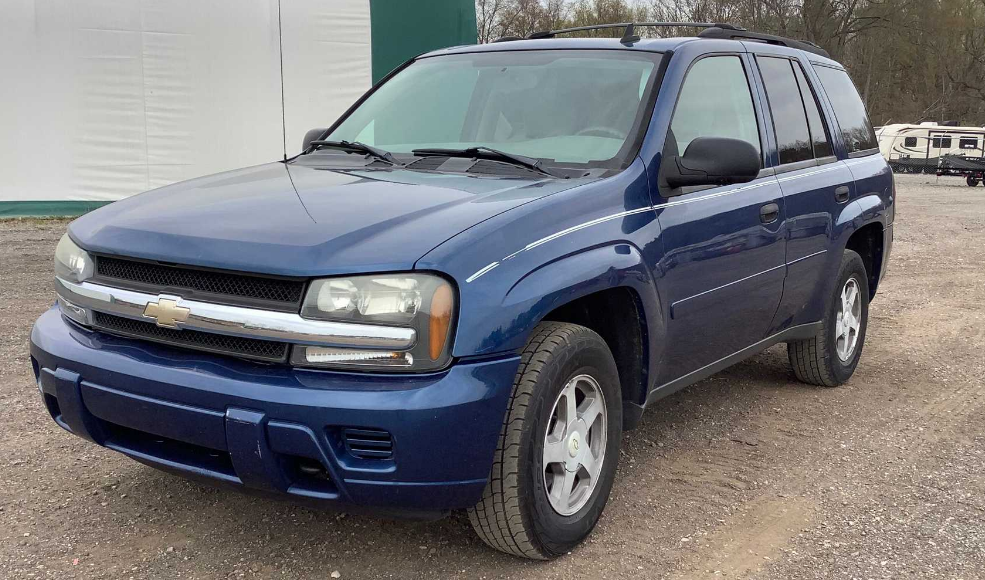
574, 445
848, 320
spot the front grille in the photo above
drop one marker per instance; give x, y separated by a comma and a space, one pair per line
209, 285
252, 348
368, 443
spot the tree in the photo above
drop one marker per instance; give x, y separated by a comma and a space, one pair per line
912, 60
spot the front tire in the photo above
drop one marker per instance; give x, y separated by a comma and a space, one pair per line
830, 357
558, 449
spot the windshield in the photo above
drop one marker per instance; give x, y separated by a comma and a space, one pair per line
560, 106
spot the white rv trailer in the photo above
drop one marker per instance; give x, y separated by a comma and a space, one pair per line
916, 148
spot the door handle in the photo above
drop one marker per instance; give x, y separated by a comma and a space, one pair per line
841, 193
769, 213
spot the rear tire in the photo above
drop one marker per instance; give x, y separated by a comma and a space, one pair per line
516, 514
971, 180
831, 356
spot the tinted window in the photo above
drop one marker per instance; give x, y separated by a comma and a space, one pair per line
945, 143
910, 142
856, 130
715, 102
789, 120
936, 142
819, 134
967, 143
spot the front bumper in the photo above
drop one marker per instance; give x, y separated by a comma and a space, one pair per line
278, 429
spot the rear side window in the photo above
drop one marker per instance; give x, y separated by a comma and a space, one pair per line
856, 130
968, 143
819, 134
910, 142
793, 138
715, 102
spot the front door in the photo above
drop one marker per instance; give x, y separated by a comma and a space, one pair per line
723, 265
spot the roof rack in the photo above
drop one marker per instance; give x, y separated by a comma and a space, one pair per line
740, 34
629, 35
711, 30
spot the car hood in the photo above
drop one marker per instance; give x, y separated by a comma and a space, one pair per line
302, 220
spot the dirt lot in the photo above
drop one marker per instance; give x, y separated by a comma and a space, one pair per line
747, 474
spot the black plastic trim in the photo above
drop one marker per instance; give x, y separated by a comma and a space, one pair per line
796, 166
864, 153
801, 332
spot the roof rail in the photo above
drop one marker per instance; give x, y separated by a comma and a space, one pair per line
711, 30
629, 35
733, 34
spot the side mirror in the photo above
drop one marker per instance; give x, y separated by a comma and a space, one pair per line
712, 161
310, 136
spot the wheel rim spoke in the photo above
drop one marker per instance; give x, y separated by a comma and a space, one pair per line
570, 404
561, 490
591, 411
555, 451
590, 463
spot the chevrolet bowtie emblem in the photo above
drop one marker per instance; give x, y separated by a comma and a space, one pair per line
166, 313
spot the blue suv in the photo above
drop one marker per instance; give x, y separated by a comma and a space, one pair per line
463, 292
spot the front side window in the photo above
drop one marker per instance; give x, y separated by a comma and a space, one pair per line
856, 131
793, 139
910, 142
715, 102
560, 106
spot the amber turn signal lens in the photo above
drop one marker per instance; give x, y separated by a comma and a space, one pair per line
441, 306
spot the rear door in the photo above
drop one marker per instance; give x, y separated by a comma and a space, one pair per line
814, 182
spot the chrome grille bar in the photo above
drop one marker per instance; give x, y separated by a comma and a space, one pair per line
84, 297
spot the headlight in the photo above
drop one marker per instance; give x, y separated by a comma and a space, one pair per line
72, 263
423, 302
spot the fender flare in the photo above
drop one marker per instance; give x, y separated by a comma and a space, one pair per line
557, 283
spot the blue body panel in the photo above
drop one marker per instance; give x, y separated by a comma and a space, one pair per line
710, 281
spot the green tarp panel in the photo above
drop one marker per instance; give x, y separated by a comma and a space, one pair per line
403, 29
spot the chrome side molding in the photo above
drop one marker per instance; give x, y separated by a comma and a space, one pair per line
79, 300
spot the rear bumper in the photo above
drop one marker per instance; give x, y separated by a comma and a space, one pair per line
277, 429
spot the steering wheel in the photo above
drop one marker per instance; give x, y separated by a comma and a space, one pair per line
599, 131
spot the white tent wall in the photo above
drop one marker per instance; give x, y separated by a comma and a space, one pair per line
102, 99
327, 62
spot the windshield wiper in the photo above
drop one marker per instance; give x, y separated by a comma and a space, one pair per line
357, 147
487, 153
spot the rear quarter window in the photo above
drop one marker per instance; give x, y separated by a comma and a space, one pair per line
856, 131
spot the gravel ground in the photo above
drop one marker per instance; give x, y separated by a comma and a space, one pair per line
748, 474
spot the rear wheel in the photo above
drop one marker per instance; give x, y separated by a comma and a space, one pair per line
830, 357
971, 180
558, 449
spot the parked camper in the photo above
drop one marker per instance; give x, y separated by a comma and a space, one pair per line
916, 148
